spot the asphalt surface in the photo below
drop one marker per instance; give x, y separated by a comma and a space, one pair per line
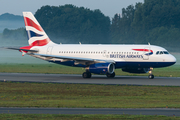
105, 111
96, 79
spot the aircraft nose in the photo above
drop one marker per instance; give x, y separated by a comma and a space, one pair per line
172, 59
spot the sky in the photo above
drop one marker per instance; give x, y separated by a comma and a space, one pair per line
108, 7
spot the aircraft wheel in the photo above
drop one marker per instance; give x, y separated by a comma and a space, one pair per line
151, 76
86, 75
110, 75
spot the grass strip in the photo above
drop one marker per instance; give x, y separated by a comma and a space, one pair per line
87, 96
50, 68
82, 117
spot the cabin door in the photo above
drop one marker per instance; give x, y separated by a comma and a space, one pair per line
105, 54
49, 50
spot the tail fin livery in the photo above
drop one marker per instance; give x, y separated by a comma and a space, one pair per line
36, 35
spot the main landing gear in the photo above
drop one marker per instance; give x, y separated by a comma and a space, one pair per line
151, 76
110, 75
88, 75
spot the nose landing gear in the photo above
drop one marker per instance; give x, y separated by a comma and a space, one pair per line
151, 76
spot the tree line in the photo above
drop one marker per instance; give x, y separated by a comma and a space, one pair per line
154, 21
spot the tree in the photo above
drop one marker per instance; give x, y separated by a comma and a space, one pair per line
71, 24
154, 21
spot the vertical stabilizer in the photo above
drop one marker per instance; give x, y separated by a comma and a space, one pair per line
36, 35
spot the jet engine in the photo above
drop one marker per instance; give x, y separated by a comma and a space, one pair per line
101, 68
136, 70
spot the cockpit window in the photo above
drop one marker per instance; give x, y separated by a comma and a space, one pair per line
157, 52
161, 52
165, 52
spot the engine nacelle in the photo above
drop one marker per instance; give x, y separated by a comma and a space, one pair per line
102, 68
136, 70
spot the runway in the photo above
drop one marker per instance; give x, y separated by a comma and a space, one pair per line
96, 79
104, 111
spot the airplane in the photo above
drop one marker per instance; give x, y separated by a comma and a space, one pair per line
97, 59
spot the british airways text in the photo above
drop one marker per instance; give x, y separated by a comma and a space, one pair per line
125, 56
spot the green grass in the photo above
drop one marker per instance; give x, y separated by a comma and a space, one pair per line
87, 96
83, 117
172, 71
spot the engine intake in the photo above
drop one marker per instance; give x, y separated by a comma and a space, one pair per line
136, 70
102, 68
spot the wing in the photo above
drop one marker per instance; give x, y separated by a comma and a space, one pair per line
77, 60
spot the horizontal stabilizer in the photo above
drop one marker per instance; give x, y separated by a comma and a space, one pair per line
23, 49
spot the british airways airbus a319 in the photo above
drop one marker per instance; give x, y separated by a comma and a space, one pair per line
97, 59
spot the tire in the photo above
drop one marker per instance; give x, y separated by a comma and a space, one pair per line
151, 76
110, 75
89, 75
86, 75
113, 75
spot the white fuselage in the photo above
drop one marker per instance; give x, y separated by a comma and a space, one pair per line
118, 53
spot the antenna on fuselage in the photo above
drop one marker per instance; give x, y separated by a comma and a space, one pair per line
80, 43
149, 43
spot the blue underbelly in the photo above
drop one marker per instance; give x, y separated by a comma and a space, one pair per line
124, 64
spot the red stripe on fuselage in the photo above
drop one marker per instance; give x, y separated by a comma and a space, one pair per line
143, 50
29, 22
